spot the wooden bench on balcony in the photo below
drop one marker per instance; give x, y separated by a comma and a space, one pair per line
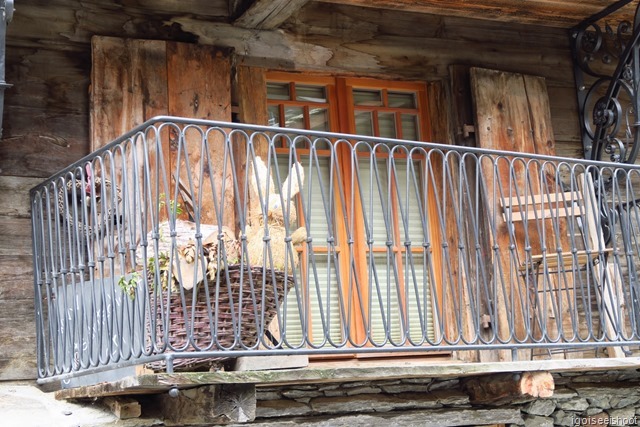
543, 220
534, 210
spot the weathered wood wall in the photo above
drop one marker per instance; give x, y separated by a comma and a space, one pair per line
46, 122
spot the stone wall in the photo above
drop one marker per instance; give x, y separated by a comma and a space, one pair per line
600, 398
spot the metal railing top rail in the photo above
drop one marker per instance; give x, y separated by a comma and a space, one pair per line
274, 130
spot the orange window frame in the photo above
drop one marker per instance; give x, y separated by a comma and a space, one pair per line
341, 115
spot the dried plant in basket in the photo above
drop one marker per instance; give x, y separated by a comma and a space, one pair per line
268, 222
189, 267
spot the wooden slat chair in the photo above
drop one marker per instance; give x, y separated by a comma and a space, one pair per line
532, 210
544, 214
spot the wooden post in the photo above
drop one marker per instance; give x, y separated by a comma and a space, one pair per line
212, 404
123, 407
500, 389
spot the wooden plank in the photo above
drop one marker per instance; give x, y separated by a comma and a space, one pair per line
15, 195
123, 407
565, 259
199, 86
373, 56
40, 148
17, 277
456, 324
517, 202
541, 12
15, 236
503, 123
262, 363
251, 94
128, 86
544, 144
513, 114
329, 372
268, 14
46, 111
537, 213
17, 340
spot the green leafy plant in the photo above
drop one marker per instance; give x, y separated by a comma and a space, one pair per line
163, 264
130, 284
174, 207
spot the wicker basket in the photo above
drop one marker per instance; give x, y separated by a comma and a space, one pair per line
213, 326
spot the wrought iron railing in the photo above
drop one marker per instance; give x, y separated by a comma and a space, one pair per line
606, 53
169, 248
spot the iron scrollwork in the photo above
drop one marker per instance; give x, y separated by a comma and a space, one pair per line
606, 68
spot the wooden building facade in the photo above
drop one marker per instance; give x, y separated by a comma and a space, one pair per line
86, 72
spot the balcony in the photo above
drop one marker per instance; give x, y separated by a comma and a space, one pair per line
186, 243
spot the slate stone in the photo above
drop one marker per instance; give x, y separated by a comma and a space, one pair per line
577, 404
541, 407
623, 417
623, 402
363, 390
281, 408
537, 421
405, 388
563, 418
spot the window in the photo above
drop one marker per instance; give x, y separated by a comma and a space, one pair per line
365, 279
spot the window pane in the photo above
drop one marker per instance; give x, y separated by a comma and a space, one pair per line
364, 123
278, 91
370, 98
402, 100
384, 299
319, 309
323, 298
274, 115
319, 119
410, 197
418, 297
374, 190
317, 179
410, 127
387, 125
310, 93
294, 117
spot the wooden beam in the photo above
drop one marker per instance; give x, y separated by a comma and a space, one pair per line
268, 14
509, 388
123, 407
331, 372
212, 404
561, 14
264, 363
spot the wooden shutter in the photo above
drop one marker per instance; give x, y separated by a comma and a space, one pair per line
512, 113
135, 80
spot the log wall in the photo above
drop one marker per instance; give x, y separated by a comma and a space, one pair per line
46, 121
